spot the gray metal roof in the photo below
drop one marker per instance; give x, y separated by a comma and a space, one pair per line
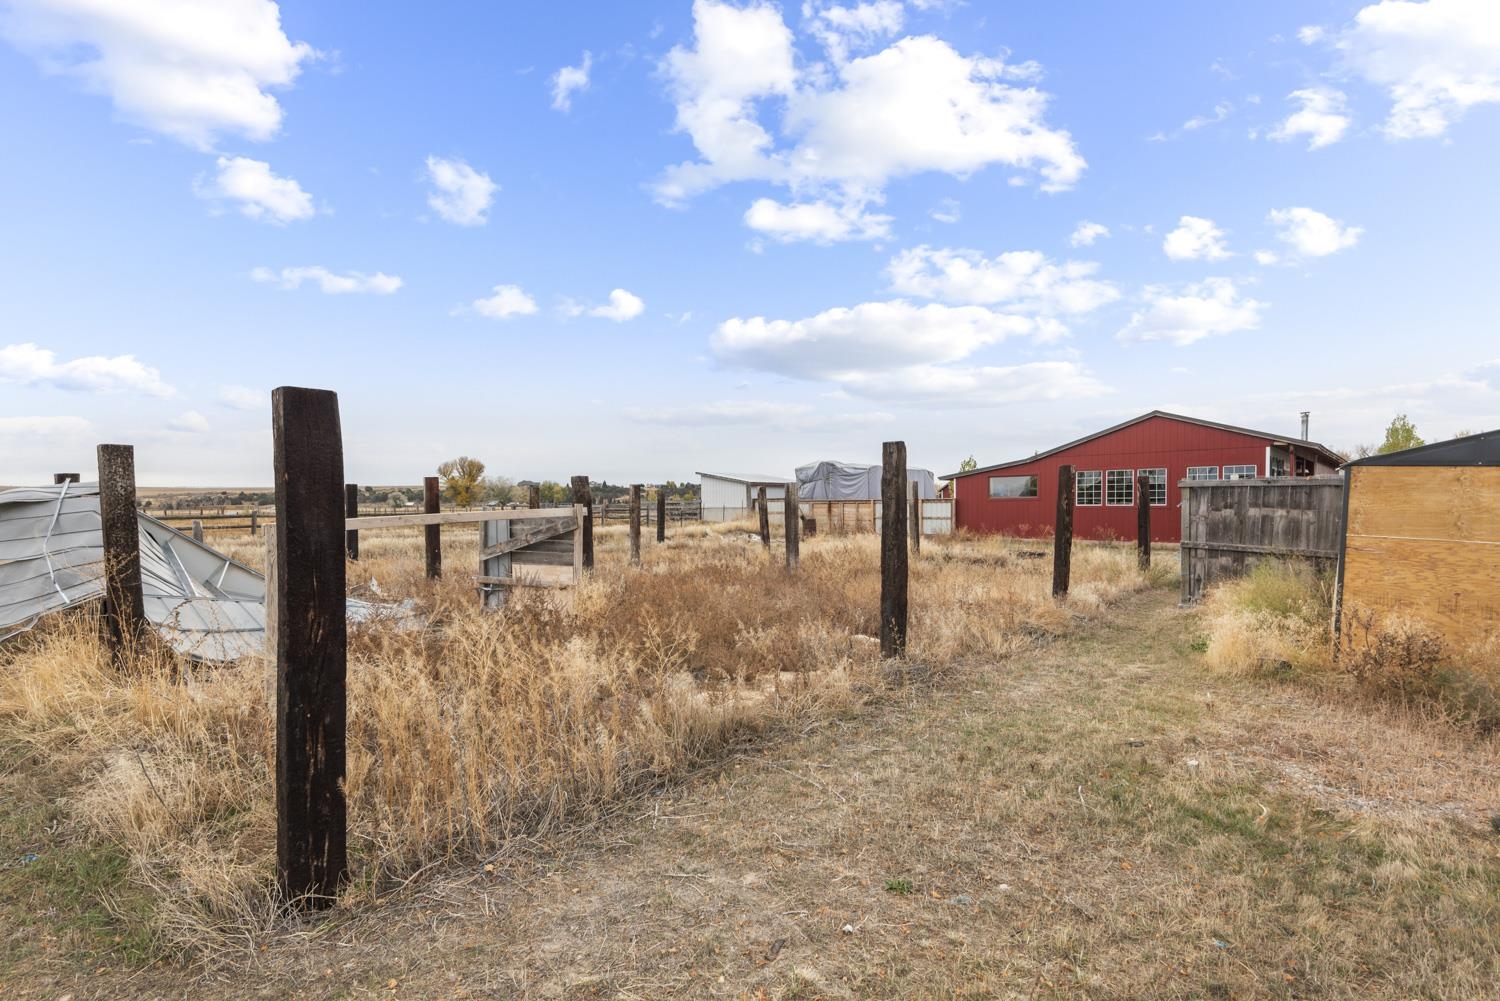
754, 479
1470, 450
203, 604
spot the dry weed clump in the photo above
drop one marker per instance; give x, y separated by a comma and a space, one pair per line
1275, 620
489, 728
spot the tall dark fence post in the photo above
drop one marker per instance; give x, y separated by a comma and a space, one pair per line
635, 524
916, 520
311, 646
197, 530
351, 510
1143, 521
893, 558
765, 517
1062, 533
661, 514
533, 496
793, 521
434, 533
64, 478
124, 608
254, 522
582, 494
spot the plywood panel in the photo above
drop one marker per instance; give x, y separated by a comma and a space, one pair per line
1426, 502
1453, 586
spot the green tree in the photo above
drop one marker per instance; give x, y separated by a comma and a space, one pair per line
1400, 433
552, 492
462, 480
968, 464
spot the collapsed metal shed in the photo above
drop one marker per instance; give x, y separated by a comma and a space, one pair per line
205, 605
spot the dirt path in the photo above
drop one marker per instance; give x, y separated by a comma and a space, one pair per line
1100, 819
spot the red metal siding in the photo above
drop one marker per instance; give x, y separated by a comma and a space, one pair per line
1152, 443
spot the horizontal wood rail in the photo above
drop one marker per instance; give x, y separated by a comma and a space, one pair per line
448, 518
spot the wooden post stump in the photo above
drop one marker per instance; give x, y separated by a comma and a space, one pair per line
311, 646
197, 530
582, 494
893, 557
58, 478
434, 533
635, 524
916, 520
661, 514
254, 523
124, 608
765, 518
792, 518
534, 496
351, 510
1143, 521
1062, 533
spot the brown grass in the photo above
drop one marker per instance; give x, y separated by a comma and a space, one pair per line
485, 732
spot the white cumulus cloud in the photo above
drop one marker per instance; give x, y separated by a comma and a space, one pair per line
191, 71
622, 306
1322, 118
507, 301
570, 80
1087, 232
244, 398
190, 421
847, 127
1022, 280
379, 283
461, 194
1195, 239
1435, 60
1311, 233
1202, 309
261, 195
819, 222
31, 365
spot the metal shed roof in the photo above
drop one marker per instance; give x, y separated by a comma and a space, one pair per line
1470, 450
753, 479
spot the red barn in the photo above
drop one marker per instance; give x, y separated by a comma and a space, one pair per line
1020, 497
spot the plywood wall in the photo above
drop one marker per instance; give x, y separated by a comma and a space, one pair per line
1424, 541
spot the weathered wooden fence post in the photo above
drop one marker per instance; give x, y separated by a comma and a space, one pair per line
1143, 521
765, 518
793, 519
893, 558
124, 608
635, 524
351, 510
58, 478
916, 520
254, 522
534, 496
582, 494
197, 530
434, 533
311, 646
1062, 533
661, 514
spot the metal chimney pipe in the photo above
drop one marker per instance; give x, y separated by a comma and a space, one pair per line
1305, 415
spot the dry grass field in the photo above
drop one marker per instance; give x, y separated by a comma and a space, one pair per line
695, 780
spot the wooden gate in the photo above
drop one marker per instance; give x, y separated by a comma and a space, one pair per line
534, 548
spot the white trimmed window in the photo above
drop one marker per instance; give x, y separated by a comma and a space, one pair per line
1205, 472
1119, 487
1239, 472
1006, 487
1090, 488
1156, 485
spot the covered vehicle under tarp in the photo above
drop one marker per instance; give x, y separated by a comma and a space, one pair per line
203, 604
848, 481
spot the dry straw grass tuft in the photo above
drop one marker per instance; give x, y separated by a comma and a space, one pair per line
489, 730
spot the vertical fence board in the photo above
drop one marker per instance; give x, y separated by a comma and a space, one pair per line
1062, 533
311, 646
583, 495
1143, 521
432, 504
351, 510
661, 515
893, 556
124, 608
765, 517
793, 520
635, 524
916, 520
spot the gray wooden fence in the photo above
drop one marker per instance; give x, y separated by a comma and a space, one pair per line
1230, 525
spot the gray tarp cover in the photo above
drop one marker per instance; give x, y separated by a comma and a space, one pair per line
838, 481
204, 604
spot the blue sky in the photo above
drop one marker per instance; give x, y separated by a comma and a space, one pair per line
637, 240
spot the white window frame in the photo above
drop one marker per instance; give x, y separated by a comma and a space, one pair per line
1153, 482
1098, 475
1195, 473
1036, 487
1129, 479
1238, 475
